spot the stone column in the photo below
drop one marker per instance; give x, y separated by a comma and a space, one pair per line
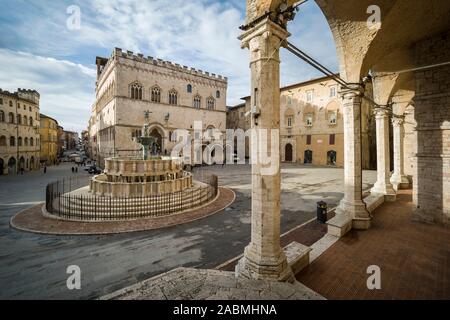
398, 179
352, 208
264, 258
383, 184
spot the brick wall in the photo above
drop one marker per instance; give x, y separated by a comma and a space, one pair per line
432, 115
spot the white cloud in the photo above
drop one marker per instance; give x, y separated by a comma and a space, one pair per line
66, 88
198, 33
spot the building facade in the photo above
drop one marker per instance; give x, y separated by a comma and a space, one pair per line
49, 140
176, 96
311, 124
19, 131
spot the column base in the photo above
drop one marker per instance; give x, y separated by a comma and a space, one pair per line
400, 182
276, 270
358, 212
385, 189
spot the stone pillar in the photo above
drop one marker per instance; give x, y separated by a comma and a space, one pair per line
383, 184
398, 179
352, 208
264, 258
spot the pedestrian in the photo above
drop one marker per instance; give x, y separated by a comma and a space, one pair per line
45, 169
76, 170
21, 170
73, 169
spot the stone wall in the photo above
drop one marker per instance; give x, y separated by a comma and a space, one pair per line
432, 115
116, 116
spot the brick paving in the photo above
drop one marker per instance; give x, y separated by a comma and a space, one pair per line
414, 259
33, 220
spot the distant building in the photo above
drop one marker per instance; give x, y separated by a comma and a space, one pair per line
19, 131
71, 140
49, 140
176, 96
311, 124
61, 141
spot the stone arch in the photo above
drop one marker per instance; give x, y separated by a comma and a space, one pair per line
308, 157
331, 158
22, 163
157, 131
3, 142
12, 165
288, 152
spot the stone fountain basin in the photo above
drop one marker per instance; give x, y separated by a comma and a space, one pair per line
132, 167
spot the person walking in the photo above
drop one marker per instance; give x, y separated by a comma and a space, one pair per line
45, 169
73, 169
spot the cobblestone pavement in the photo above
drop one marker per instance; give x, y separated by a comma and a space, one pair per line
196, 284
34, 266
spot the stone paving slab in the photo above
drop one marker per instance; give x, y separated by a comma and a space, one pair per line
33, 220
197, 284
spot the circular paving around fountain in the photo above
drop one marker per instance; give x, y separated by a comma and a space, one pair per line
36, 220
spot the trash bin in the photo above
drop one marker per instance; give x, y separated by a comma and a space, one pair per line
322, 209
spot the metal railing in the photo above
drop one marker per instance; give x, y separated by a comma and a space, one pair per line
64, 201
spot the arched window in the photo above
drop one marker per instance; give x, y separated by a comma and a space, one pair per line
10, 103
189, 88
210, 103
12, 141
197, 102
31, 141
2, 141
156, 94
25, 120
2, 116
31, 121
19, 141
11, 117
173, 97
218, 94
19, 119
136, 91
26, 142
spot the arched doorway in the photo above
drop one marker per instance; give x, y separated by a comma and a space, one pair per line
2, 164
22, 163
331, 158
308, 157
12, 166
32, 163
288, 153
157, 146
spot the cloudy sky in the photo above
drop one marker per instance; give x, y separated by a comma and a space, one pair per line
38, 50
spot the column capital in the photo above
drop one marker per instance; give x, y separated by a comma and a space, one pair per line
381, 113
265, 28
398, 121
353, 91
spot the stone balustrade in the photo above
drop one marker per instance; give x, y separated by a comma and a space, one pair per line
100, 186
132, 167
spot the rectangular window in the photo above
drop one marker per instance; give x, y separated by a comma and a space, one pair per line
309, 96
289, 122
332, 139
333, 91
309, 120
308, 139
